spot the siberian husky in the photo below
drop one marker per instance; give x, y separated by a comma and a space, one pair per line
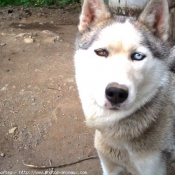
126, 87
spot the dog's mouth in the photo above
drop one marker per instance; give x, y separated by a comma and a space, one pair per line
115, 108
111, 106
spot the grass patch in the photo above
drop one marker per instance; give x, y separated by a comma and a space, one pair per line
63, 2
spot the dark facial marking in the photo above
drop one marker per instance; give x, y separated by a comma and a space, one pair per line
172, 67
167, 156
158, 47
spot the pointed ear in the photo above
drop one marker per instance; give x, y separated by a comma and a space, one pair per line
156, 17
92, 11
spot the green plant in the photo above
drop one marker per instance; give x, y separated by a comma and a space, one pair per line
63, 2
9, 2
28, 2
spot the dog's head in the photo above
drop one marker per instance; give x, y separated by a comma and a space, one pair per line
120, 62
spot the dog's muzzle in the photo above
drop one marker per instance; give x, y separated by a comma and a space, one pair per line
116, 94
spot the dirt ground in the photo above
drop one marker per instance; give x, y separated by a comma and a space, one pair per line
41, 120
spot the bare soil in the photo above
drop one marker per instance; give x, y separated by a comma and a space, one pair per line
41, 120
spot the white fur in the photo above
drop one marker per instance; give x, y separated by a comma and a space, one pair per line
150, 164
109, 168
94, 73
115, 139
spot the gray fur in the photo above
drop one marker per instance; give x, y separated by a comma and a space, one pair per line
85, 40
145, 138
158, 47
172, 60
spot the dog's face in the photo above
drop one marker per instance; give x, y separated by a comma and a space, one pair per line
119, 63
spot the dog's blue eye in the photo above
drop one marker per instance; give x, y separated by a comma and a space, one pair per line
137, 56
102, 52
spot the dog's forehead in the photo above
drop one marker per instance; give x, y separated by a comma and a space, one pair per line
119, 35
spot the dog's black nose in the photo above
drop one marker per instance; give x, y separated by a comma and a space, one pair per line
116, 93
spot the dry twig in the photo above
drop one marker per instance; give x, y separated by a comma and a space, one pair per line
60, 166
52, 169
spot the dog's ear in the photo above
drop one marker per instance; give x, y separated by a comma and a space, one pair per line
156, 17
92, 11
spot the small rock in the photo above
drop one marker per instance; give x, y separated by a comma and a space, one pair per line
38, 70
48, 32
2, 154
21, 25
2, 44
12, 130
4, 89
23, 34
20, 35
56, 38
58, 112
70, 80
28, 40
49, 40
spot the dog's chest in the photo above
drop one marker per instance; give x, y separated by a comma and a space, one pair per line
119, 154
117, 151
